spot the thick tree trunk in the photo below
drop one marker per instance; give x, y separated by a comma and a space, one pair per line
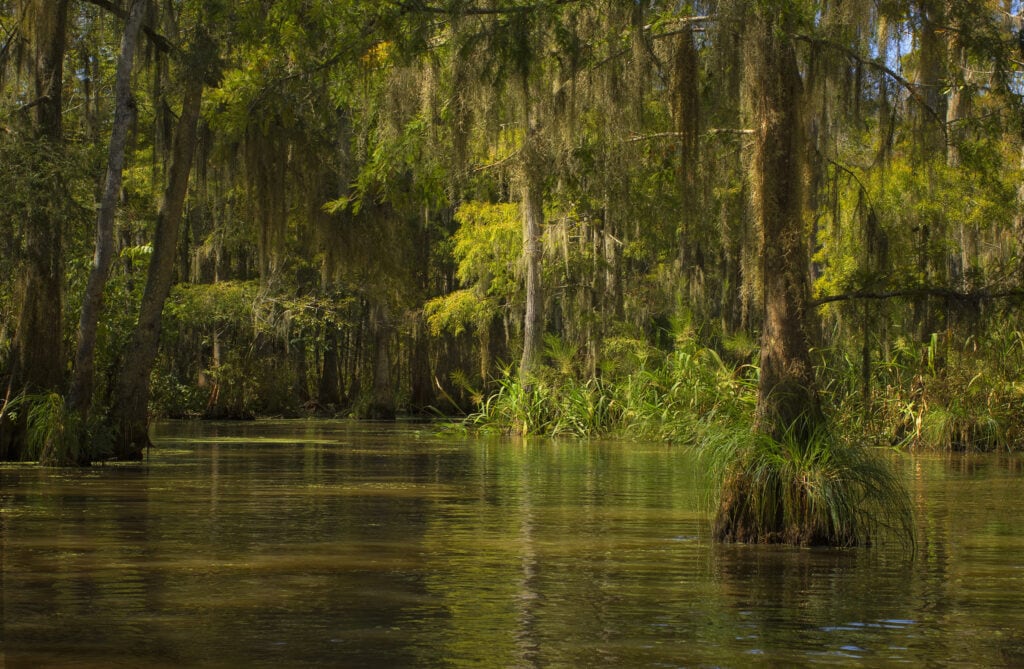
787, 396
301, 385
958, 105
419, 369
37, 355
611, 251
133, 388
80, 396
787, 400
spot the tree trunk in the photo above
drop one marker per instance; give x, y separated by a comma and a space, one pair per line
37, 355
533, 221
787, 397
382, 401
686, 113
787, 400
298, 358
419, 368
611, 260
931, 145
80, 396
329, 388
133, 390
958, 106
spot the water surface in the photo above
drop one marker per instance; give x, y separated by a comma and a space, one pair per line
355, 545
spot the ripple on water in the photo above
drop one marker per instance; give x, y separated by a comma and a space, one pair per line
335, 547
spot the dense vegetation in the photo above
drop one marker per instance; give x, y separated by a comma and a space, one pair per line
561, 216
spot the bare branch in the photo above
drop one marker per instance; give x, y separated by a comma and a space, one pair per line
158, 40
636, 137
924, 291
412, 6
498, 163
730, 131
29, 105
881, 67
655, 135
683, 20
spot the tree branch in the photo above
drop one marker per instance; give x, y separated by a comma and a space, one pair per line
412, 6
881, 67
29, 105
655, 135
682, 20
158, 40
924, 291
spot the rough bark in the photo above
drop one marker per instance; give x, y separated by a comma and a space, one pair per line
133, 387
80, 395
37, 355
301, 385
611, 251
958, 104
786, 392
787, 400
419, 369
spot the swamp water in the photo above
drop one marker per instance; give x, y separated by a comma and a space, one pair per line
298, 544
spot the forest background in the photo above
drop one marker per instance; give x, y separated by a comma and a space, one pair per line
560, 216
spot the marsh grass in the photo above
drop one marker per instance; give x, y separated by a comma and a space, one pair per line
931, 396
652, 395
52, 433
809, 489
55, 436
804, 491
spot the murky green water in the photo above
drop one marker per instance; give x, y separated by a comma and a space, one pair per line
330, 544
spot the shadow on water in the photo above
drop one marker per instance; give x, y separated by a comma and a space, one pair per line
327, 543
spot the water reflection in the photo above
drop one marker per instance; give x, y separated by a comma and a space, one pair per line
318, 543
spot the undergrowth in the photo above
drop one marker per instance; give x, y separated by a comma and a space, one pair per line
55, 435
830, 488
820, 490
648, 393
918, 396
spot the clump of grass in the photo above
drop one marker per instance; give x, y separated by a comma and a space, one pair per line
568, 408
516, 408
651, 393
816, 491
946, 394
56, 436
53, 435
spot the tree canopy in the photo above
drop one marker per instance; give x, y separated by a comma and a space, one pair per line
345, 207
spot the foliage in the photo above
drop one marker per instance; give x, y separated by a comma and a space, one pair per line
654, 394
54, 435
486, 247
962, 400
353, 223
458, 310
817, 491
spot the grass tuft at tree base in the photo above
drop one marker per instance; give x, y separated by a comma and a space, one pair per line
816, 491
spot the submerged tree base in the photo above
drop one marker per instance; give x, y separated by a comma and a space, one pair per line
737, 522
809, 492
